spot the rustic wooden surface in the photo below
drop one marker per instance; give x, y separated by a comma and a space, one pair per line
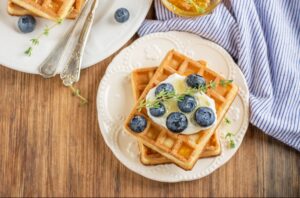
51, 146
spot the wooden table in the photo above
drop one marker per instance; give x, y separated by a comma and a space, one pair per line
52, 146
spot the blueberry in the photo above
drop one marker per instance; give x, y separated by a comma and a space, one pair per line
138, 123
26, 23
195, 81
188, 104
204, 116
176, 122
157, 112
122, 15
167, 87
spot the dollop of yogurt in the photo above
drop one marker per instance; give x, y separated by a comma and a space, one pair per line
180, 87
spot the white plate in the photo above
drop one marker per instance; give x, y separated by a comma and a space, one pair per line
115, 100
107, 36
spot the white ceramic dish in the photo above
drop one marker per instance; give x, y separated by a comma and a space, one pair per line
115, 100
107, 36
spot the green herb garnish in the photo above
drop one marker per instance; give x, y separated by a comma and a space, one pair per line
161, 97
76, 93
231, 144
225, 83
60, 21
164, 96
230, 140
227, 121
201, 89
212, 85
229, 135
28, 52
36, 41
46, 31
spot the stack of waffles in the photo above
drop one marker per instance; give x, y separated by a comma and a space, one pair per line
49, 9
157, 144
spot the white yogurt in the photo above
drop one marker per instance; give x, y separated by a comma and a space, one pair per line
180, 86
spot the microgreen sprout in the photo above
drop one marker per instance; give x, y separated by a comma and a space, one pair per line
76, 93
28, 52
227, 121
225, 83
160, 97
36, 41
164, 96
229, 137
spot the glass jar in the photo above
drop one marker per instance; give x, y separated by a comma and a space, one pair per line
191, 8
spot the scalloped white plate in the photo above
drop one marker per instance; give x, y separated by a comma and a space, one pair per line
115, 100
107, 36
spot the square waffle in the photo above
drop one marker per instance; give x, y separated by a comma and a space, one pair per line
183, 150
147, 155
50, 9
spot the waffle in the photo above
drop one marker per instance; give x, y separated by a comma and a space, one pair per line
147, 155
50, 9
183, 150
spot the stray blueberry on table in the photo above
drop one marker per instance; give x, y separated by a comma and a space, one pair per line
26, 23
122, 15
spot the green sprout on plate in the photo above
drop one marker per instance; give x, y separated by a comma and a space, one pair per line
229, 137
36, 41
227, 121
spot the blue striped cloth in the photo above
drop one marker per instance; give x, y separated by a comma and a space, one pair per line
263, 36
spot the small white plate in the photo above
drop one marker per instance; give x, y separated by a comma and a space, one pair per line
107, 36
115, 100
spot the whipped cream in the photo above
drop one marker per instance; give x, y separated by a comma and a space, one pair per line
180, 86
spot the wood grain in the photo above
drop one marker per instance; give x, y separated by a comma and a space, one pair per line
51, 146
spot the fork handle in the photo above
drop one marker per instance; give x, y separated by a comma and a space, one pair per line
71, 72
48, 67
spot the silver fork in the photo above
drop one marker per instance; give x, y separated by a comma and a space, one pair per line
71, 72
48, 68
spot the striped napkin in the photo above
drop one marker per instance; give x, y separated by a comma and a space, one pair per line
263, 36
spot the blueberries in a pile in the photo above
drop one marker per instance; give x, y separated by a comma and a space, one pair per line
204, 116
177, 122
